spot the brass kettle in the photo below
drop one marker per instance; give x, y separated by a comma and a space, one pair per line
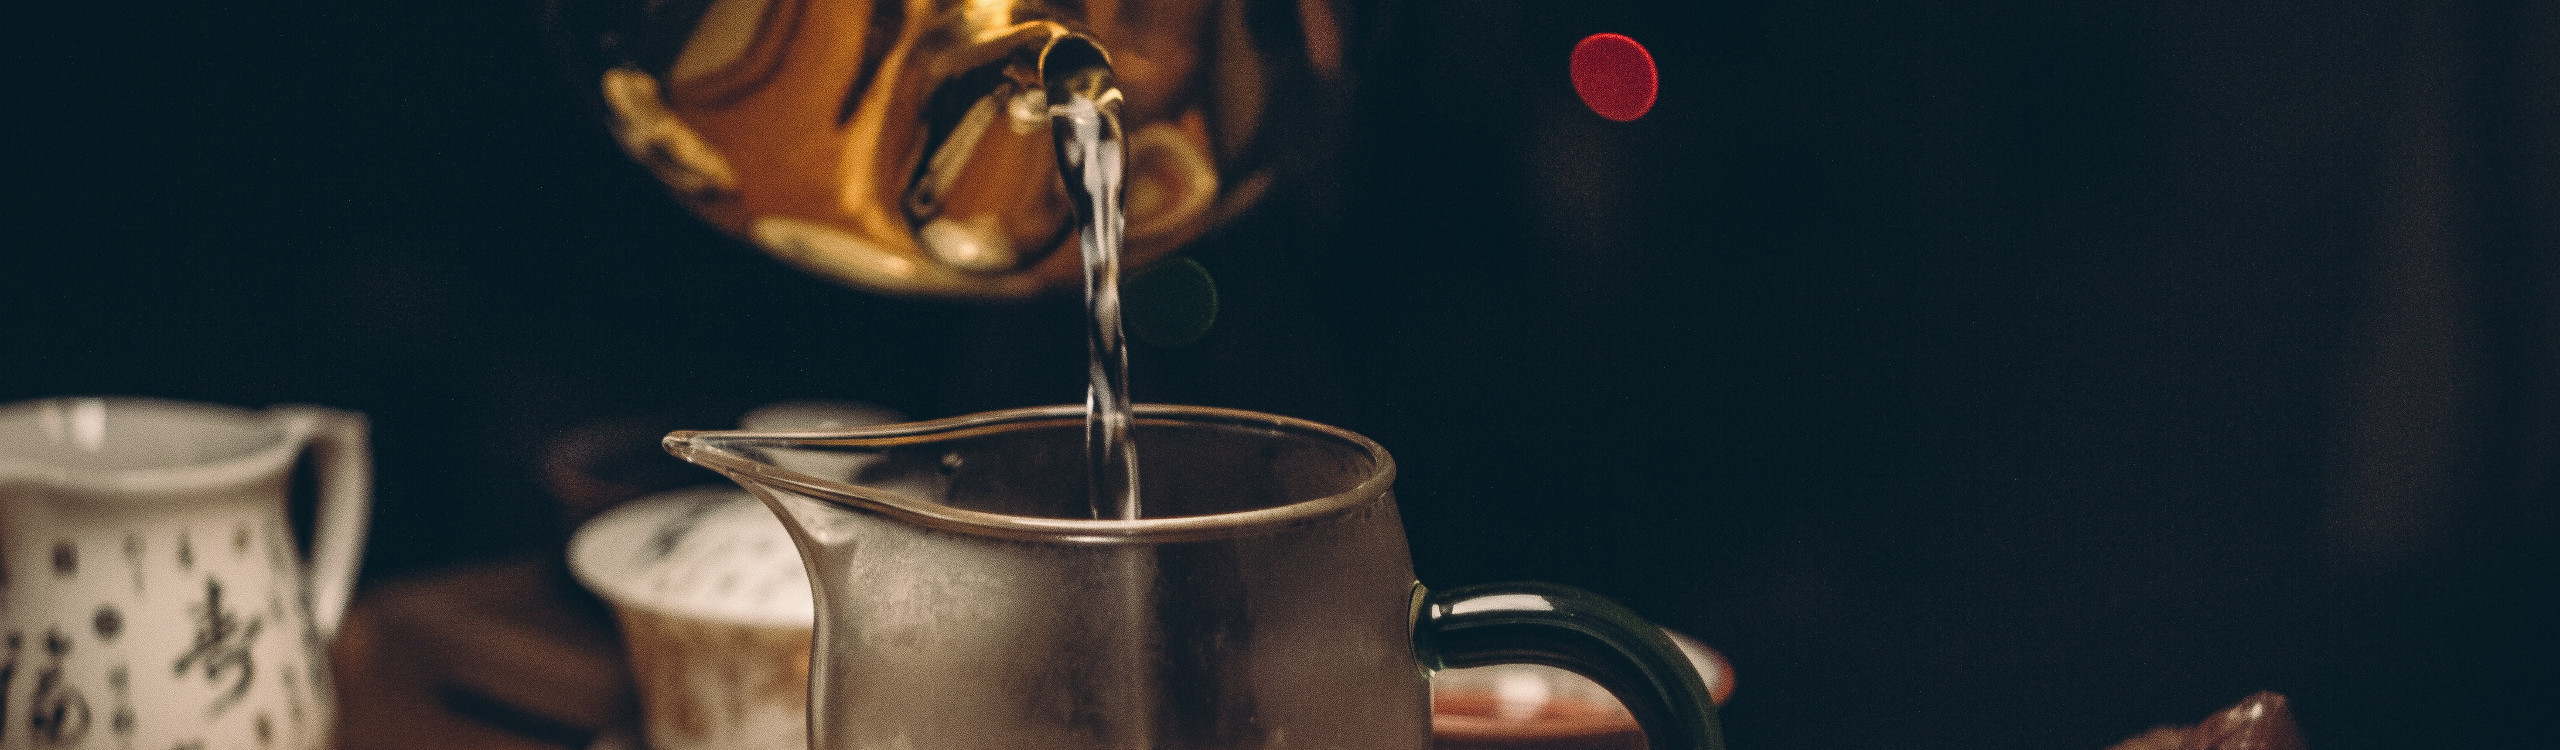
904, 147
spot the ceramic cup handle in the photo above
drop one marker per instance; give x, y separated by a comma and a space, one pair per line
1562, 626
344, 461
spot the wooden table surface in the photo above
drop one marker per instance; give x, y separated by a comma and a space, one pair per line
507, 655
513, 655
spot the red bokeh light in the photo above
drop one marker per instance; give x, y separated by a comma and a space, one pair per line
1614, 75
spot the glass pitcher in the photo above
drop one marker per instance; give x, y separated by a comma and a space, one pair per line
966, 600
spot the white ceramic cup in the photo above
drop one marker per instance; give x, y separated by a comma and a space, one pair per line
151, 594
715, 611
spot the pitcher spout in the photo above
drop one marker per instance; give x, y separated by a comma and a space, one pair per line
790, 497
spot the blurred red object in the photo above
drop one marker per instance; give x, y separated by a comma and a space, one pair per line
1533, 707
2259, 722
1615, 76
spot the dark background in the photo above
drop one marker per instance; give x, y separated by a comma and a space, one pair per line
1984, 375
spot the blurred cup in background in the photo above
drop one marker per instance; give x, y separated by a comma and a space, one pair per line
715, 613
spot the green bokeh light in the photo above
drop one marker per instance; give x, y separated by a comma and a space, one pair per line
1172, 304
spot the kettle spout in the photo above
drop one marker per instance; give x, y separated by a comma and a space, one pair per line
982, 200
987, 197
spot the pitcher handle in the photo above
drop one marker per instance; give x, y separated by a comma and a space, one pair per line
1562, 626
341, 456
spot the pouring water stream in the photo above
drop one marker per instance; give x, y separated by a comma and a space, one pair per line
1084, 123
1084, 119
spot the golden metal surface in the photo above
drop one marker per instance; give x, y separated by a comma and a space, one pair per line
904, 147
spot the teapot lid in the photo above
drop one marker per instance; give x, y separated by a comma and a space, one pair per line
710, 553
